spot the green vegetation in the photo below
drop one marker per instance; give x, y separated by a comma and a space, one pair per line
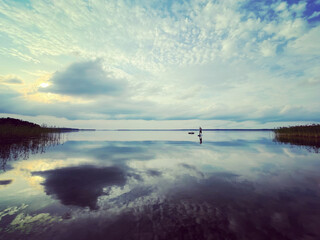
21, 147
308, 135
11, 128
309, 131
20, 138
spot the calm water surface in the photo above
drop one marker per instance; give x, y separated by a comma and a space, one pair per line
162, 185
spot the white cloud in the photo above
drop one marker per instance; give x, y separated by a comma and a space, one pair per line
268, 48
150, 124
314, 14
196, 59
143, 38
307, 44
281, 6
299, 8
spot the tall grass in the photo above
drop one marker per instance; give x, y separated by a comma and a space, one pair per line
20, 138
10, 131
20, 148
306, 131
306, 135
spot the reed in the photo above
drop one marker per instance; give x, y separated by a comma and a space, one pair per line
20, 138
305, 135
304, 131
21, 147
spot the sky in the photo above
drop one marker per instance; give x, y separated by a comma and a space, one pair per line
160, 64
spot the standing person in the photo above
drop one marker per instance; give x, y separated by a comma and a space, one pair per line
200, 135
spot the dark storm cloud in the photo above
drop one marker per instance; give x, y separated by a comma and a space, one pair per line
81, 186
85, 79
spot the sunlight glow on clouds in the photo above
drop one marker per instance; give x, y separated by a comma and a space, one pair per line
44, 85
161, 60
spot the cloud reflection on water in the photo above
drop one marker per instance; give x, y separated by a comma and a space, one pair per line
81, 185
220, 206
245, 189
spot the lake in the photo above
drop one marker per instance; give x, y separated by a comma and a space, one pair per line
161, 185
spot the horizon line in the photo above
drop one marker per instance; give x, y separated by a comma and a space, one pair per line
191, 129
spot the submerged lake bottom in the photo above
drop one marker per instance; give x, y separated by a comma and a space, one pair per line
161, 185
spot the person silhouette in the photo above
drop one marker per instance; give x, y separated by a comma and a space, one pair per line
200, 135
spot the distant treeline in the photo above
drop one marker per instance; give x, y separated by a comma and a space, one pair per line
16, 128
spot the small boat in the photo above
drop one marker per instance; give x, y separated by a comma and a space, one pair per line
190, 132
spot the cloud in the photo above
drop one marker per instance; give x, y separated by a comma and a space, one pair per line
9, 99
228, 60
314, 14
282, 6
200, 103
299, 8
306, 44
5, 182
85, 79
11, 79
